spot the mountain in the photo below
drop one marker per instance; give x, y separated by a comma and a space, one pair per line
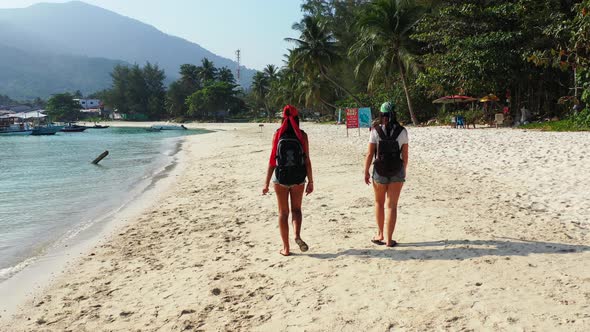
26, 75
77, 28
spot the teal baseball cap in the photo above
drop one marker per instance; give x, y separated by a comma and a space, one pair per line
387, 107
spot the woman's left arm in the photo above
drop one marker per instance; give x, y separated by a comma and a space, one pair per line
309, 188
405, 148
269, 172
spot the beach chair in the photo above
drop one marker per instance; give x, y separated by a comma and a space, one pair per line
499, 119
460, 122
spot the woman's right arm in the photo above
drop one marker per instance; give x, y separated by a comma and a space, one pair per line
368, 160
269, 171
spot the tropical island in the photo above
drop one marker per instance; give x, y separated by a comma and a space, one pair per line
528, 56
492, 229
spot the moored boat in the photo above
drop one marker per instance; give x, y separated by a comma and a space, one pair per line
16, 129
45, 131
73, 128
97, 126
9, 126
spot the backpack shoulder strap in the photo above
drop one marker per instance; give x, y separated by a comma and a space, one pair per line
397, 131
380, 132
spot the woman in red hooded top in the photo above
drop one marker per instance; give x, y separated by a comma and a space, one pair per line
288, 167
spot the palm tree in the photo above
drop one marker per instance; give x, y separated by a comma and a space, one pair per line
310, 93
225, 75
260, 87
271, 71
384, 41
284, 90
207, 71
316, 51
189, 75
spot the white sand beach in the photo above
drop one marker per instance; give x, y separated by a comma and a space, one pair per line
493, 231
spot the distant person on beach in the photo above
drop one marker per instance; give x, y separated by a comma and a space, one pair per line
388, 146
288, 167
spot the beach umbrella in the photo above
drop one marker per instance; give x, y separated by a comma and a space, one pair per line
453, 99
490, 97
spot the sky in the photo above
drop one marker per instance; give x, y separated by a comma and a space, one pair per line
256, 27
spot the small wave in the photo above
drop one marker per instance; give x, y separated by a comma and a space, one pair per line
8, 272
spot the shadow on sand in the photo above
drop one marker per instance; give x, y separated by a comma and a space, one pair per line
460, 249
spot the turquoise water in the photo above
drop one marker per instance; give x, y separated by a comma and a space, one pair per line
49, 190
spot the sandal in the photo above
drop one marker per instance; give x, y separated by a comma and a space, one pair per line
393, 244
302, 245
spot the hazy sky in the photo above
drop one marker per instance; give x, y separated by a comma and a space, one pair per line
256, 27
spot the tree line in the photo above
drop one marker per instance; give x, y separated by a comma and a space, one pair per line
530, 53
202, 92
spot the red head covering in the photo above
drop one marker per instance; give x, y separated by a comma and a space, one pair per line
289, 114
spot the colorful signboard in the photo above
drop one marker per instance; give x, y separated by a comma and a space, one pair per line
365, 117
352, 118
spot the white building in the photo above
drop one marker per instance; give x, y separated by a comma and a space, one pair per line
89, 103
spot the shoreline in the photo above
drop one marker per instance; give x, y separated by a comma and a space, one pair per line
41, 270
489, 239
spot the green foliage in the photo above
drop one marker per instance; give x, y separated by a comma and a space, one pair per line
469, 46
62, 107
473, 116
203, 91
225, 75
478, 48
385, 28
215, 96
207, 71
138, 91
360, 53
316, 53
443, 117
259, 89
581, 119
189, 82
562, 125
94, 119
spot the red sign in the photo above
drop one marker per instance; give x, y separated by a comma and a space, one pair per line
352, 118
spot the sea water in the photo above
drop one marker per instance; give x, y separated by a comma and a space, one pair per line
50, 191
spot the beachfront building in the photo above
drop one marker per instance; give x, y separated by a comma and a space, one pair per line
89, 103
91, 112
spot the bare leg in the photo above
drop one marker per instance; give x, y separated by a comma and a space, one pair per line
393, 191
380, 190
296, 199
283, 200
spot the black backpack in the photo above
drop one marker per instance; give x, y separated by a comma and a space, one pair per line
388, 161
290, 168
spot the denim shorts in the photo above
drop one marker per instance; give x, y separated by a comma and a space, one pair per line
400, 177
289, 186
